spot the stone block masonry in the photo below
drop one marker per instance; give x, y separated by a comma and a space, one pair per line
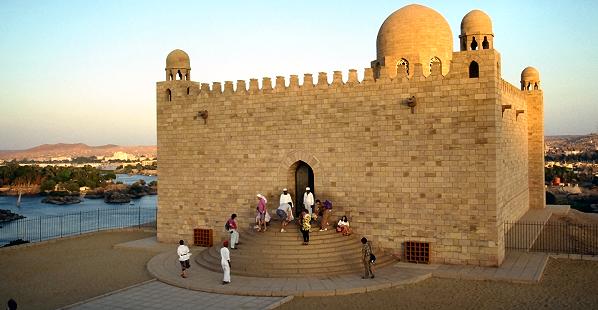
421, 156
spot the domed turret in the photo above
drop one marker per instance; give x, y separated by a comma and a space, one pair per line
410, 35
178, 66
530, 79
476, 31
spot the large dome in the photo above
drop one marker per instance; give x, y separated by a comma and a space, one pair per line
530, 74
178, 59
417, 34
476, 22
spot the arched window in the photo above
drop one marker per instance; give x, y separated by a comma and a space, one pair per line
403, 67
435, 65
168, 95
535, 86
188, 90
474, 44
485, 43
179, 75
474, 70
171, 77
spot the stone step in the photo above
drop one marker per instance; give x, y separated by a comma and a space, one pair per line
301, 270
292, 249
212, 257
315, 255
276, 254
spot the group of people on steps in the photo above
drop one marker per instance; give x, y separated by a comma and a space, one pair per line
313, 212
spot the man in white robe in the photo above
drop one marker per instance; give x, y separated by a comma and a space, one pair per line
225, 262
308, 201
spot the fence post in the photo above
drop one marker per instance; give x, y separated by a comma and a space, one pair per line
61, 226
98, 223
139, 217
40, 229
80, 213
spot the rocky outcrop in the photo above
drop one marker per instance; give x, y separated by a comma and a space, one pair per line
7, 216
116, 197
62, 200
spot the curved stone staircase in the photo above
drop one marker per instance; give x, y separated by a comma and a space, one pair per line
281, 255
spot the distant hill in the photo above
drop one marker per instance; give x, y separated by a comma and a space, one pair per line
47, 151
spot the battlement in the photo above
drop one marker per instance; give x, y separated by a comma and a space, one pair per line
322, 81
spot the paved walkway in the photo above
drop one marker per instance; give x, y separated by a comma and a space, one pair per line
519, 267
203, 288
155, 295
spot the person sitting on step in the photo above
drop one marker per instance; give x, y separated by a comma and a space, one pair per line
343, 226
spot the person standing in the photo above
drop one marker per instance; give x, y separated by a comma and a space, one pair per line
308, 201
234, 232
285, 198
305, 226
184, 255
261, 212
225, 262
326, 215
366, 251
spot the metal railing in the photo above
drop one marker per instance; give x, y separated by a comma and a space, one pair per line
551, 237
51, 227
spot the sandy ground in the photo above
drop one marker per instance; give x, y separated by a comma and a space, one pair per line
567, 284
70, 270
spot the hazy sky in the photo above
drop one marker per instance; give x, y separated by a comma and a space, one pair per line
85, 71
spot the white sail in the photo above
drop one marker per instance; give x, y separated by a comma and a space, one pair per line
19, 200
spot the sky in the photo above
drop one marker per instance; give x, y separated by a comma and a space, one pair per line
86, 71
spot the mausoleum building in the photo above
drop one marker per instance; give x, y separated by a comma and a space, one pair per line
431, 145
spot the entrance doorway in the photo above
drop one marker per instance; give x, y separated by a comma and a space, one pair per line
304, 177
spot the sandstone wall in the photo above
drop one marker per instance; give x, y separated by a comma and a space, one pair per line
431, 175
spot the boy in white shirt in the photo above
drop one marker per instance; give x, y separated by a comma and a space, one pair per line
184, 255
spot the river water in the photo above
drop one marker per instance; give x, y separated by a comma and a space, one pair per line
46, 221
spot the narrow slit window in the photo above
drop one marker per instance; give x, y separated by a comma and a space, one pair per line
474, 44
168, 95
474, 70
485, 43
403, 67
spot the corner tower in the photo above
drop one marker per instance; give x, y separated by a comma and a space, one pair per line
178, 66
476, 31
530, 86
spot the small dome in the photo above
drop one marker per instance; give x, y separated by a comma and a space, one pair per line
178, 59
530, 74
476, 22
416, 33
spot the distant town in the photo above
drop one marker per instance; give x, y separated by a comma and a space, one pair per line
571, 171
107, 157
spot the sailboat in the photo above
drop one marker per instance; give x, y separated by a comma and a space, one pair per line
19, 200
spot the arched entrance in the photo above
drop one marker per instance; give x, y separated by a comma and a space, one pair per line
304, 177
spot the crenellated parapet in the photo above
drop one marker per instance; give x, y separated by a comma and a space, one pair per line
322, 81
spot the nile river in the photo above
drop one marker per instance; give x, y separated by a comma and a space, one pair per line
46, 221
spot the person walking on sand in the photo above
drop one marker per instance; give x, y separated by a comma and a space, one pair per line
308, 201
305, 226
225, 262
261, 212
366, 251
234, 232
184, 255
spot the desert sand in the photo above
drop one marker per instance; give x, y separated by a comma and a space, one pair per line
567, 284
55, 274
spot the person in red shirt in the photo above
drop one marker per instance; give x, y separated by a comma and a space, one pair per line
233, 230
